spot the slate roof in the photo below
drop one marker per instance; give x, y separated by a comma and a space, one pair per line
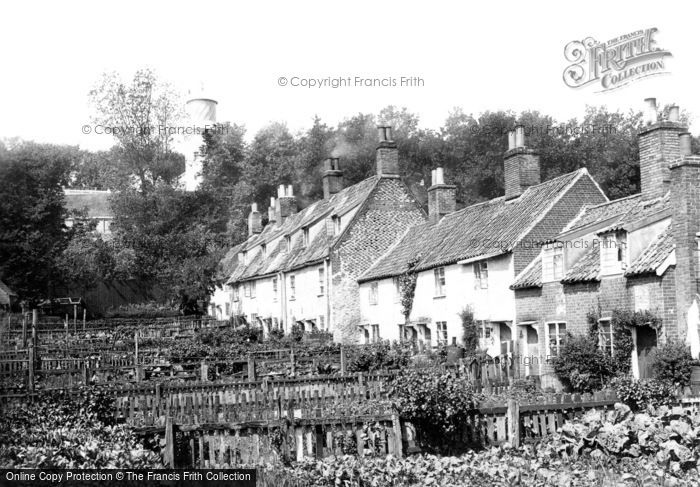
96, 202
531, 276
493, 227
277, 259
587, 268
653, 256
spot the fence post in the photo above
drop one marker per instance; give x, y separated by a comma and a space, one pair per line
30, 368
24, 331
136, 347
84, 314
251, 368
204, 371
169, 454
398, 441
513, 415
292, 359
343, 361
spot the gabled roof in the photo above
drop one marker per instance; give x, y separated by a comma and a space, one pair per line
653, 256
531, 276
96, 202
587, 268
483, 230
5, 289
277, 258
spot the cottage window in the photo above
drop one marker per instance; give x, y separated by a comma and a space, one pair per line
441, 333
252, 289
439, 281
288, 242
321, 281
246, 289
263, 250
556, 335
557, 264
305, 237
481, 275
292, 287
613, 253
227, 307
274, 289
397, 290
373, 292
605, 336
236, 292
245, 258
322, 322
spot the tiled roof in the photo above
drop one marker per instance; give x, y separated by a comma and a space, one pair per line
228, 264
586, 268
531, 276
277, 258
653, 256
490, 228
96, 202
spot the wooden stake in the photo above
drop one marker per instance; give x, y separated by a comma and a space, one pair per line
169, 454
30, 367
513, 415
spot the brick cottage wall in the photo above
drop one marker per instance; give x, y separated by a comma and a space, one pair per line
387, 214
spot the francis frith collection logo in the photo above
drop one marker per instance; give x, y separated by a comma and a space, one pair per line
616, 63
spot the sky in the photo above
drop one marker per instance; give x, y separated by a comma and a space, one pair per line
477, 55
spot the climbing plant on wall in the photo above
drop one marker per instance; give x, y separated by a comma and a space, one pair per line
407, 287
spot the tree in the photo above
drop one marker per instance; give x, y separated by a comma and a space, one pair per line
32, 215
140, 114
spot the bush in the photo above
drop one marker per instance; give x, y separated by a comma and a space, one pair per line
581, 366
470, 330
377, 356
143, 310
296, 334
673, 363
639, 394
437, 403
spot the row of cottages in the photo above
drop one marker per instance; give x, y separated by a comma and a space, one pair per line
639, 253
467, 259
302, 266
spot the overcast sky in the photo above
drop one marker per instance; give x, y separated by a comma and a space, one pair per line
477, 55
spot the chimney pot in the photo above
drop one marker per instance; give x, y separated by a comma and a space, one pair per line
519, 136
272, 201
254, 207
650, 111
290, 190
439, 176
673, 113
332, 178
684, 141
387, 153
280, 191
511, 139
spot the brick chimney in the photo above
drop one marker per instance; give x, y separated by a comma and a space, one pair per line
442, 198
658, 147
685, 203
387, 153
254, 220
521, 166
271, 213
332, 177
286, 203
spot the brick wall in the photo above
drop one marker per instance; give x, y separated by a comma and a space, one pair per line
584, 191
386, 215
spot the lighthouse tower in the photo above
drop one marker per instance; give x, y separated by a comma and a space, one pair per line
201, 114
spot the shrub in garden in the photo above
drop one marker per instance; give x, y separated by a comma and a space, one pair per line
581, 366
673, 363
640, 394
436, 402
376, 356
470, 330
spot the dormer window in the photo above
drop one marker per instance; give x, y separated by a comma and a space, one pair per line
263, 250
553, 262
245, 258
288, 242
305, 237
481, 275
613, 253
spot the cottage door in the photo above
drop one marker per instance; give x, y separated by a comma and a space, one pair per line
646, 343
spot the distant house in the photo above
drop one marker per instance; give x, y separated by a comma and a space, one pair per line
8, 298
96, 205
468, 258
